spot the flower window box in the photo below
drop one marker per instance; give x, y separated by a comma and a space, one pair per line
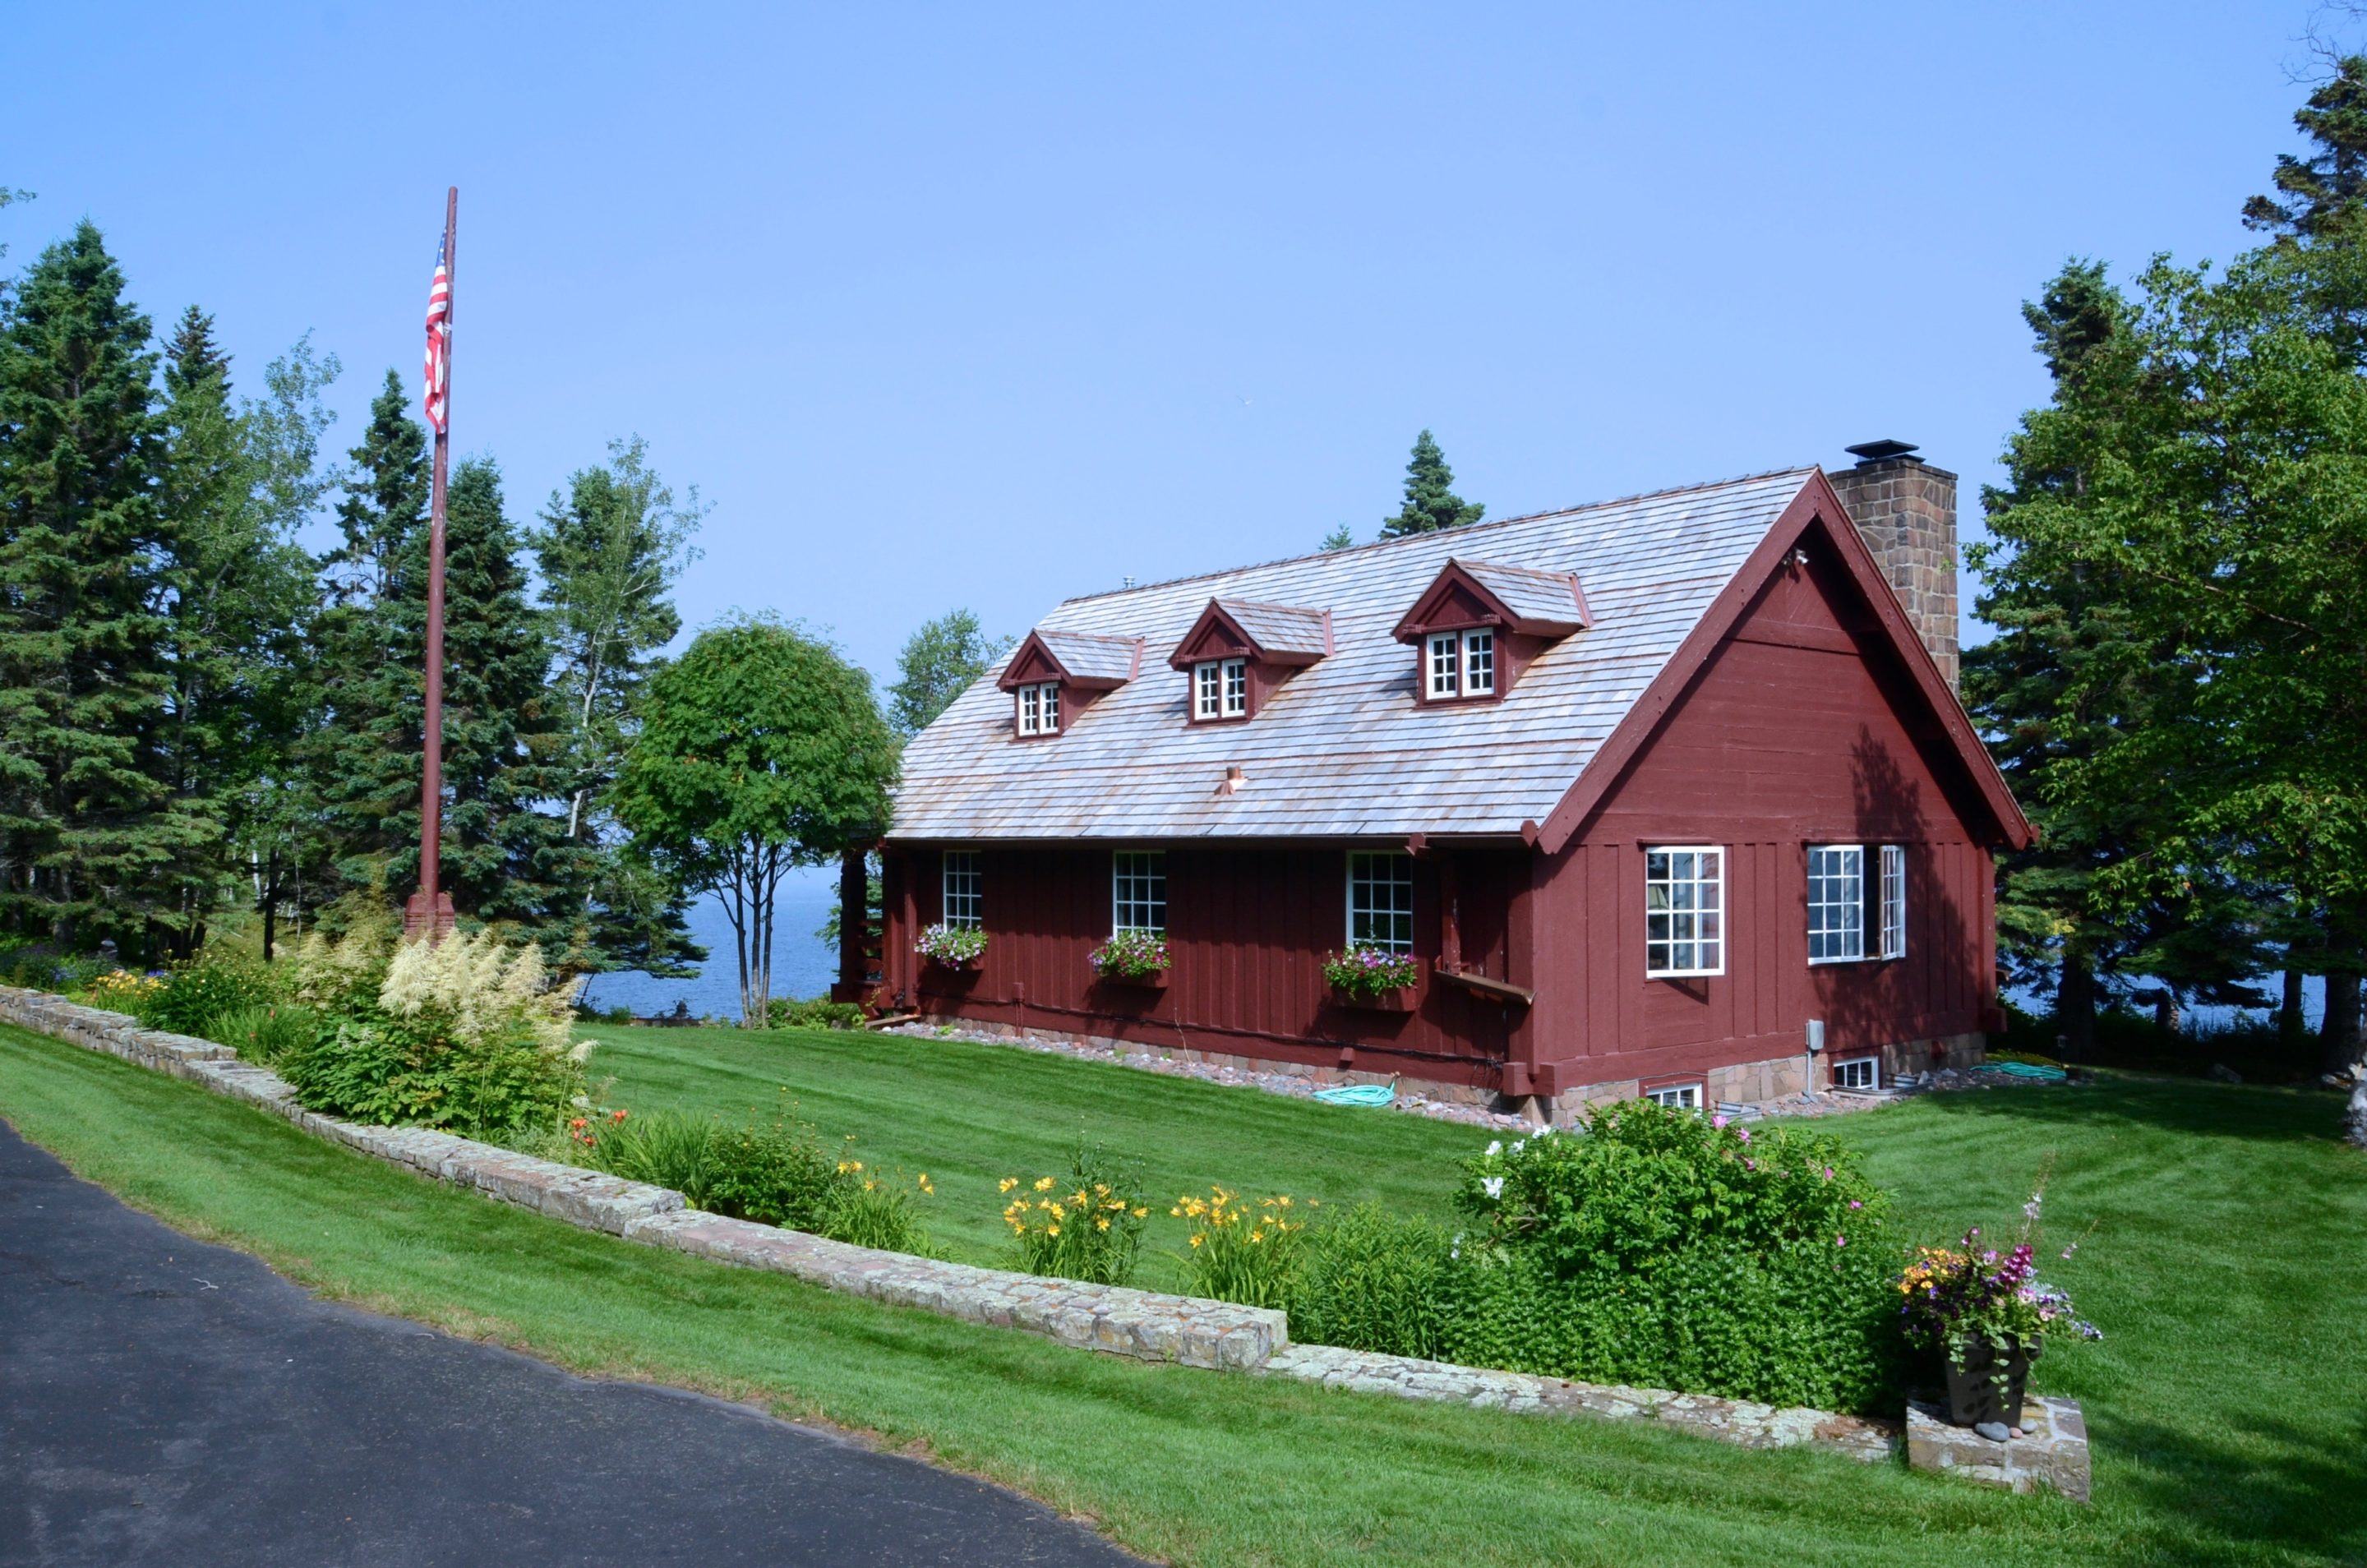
1133, 957
1372, 978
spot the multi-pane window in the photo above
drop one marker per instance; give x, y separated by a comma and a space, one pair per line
1459, 664
1894, 900
1676, 1096
1039, 708
1138, 891
1380, 901
1864, 1072
964, 906
1478, 663
1836, 902
1220, 689
1445, 657
1684, 910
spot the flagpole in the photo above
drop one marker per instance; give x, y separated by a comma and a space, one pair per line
430, 910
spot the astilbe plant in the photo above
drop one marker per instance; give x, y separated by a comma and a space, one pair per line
1366, 972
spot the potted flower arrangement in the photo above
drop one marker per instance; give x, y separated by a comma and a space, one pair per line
957, 948
1372, 978
1989, 1316
1133, 958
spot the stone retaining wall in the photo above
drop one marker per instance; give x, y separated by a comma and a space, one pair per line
1145, 1324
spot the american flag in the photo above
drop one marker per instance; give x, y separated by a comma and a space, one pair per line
439, 342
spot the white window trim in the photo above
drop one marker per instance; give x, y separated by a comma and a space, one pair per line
1117, 920
1471, 641
1234, 675
1207, 689
1349, 892
1724, 935
1448, 648
1874, 1062
1039, 708
962, 862
1700, 1091
1860, 956
1892, 899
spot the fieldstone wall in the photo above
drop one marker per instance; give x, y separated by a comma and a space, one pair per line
1906, 511
1144, 1324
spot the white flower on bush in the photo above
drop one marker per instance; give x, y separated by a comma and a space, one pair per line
483, 987
1495, 1148
1493, 1186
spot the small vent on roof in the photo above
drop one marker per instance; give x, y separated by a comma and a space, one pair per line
1128, 581
1234, 780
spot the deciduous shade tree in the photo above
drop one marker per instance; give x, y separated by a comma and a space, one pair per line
938, 665
759, 750
1430, 502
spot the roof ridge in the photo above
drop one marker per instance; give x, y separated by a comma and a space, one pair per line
1098, 636
1507, 566
1464, 530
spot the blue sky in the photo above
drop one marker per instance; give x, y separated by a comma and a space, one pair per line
988, 306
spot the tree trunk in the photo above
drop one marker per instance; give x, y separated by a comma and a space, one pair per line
2075, 1007
2291, 1025
2339, 1034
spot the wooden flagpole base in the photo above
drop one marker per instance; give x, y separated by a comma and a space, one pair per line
417, 922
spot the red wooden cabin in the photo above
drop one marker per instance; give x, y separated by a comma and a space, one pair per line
1668, 795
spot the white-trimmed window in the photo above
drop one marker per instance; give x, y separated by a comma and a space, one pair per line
963, 905
1039, 708
1138, 891
1445, 660
1380, 900
1894, 900
1684, 909
1479, 663
1676, 1096
1459, 664
1220, 689
1836, 903
1859, 1072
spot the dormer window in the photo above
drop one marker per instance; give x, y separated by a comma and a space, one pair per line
1039, 708
1054, 676
1478, 625
1220, 689
1238, 654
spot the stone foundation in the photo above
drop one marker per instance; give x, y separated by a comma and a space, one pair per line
2051, 1452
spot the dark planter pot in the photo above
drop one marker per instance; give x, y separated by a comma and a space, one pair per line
946, 974
1154, 981
1987, 1384
1398, 998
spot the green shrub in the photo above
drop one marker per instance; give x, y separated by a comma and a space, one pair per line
819, 1012
1660, 1247
781, 1175
1085, 1224
209, 985
881, 1212
266, 1035
462, 1033
1374, 1281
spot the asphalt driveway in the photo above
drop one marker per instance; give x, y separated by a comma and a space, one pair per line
165, 1400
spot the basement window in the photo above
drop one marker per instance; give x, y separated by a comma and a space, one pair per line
1684, 910
1676, 1096
1861, 1072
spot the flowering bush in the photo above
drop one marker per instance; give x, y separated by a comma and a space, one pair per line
955, 947
462, 1033
1659, 1246
1245, 1252
1954, 1297
220, 981
1131, 955
1368, 972
119, 990
1086, 1225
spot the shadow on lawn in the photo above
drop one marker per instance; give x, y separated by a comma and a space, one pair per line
2274, 1115
2269, 1484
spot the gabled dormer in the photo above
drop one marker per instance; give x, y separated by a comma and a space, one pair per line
1238, 652
1479, 624
1054, 676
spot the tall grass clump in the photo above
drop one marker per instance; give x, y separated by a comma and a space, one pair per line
1372, 1281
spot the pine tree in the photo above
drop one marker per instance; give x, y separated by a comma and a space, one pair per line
84, 555
2323, 192
1339, 539
1430, 502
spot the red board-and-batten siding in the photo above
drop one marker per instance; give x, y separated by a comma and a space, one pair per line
1793, 715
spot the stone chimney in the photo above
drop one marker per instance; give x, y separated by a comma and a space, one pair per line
1906, 511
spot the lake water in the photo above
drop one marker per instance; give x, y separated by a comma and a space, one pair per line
803, 965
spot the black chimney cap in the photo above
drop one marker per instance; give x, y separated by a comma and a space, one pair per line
1877, 451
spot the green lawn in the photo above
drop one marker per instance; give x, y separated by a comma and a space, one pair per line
2229, 1271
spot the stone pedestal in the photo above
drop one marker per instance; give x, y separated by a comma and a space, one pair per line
2053, 1450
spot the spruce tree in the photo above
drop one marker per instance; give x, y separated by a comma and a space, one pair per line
1430, 502
2324, 192
84, 558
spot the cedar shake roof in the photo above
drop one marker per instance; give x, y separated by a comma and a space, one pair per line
1343, 749
1532, 595
1279, 628
1089, 657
